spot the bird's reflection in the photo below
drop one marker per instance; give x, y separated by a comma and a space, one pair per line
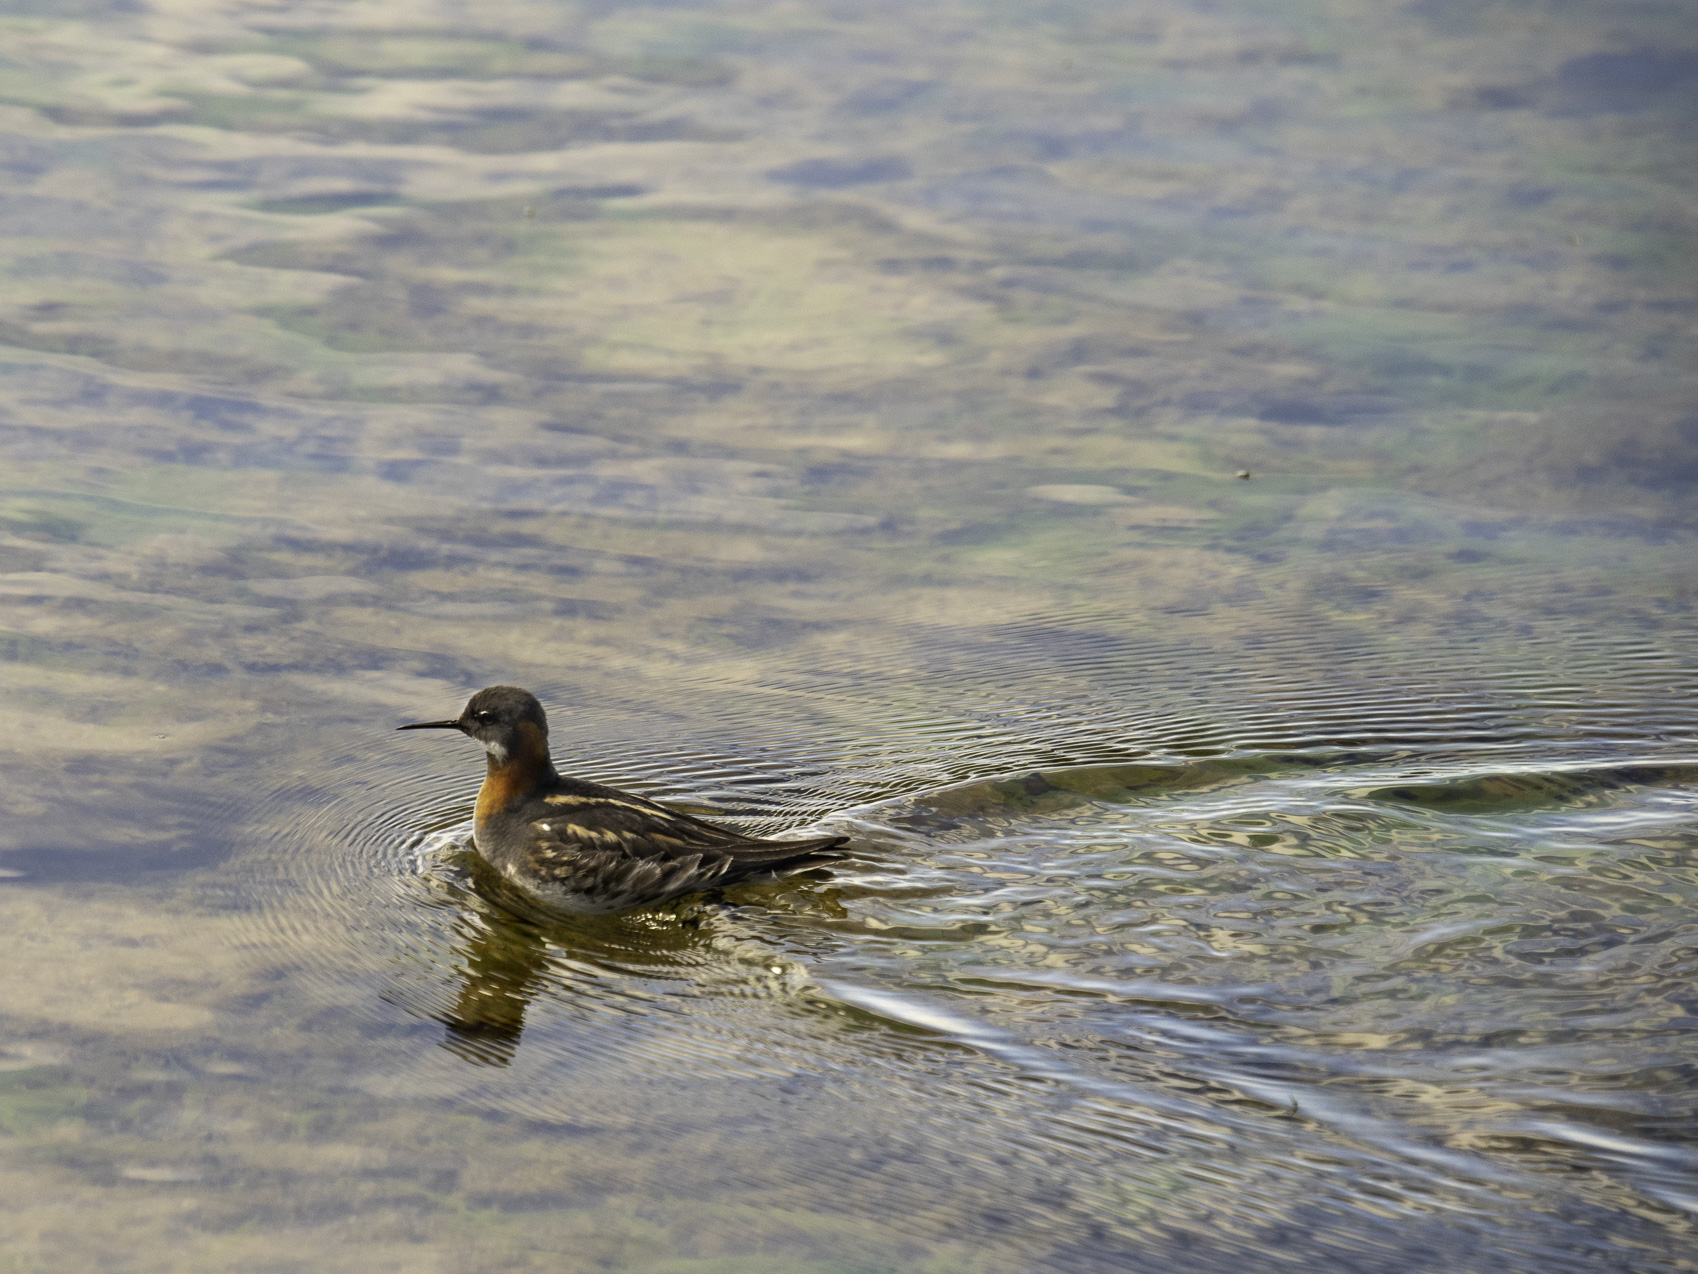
501, 970
509, 950
502, 959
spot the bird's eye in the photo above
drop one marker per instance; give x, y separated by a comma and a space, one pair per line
484, 716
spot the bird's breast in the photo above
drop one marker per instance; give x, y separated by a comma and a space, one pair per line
501, 788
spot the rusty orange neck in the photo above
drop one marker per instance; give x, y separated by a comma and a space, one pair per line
514, 777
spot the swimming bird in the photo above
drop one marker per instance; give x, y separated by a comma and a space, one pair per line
587, 848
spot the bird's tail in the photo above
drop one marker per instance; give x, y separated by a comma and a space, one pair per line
776, 854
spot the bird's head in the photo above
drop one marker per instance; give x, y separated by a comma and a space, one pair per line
506, 720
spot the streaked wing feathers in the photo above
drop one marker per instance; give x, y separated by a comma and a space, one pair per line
592, 833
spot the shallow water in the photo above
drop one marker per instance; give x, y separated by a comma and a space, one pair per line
835, 414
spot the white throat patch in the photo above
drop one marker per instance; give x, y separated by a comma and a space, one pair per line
495, 750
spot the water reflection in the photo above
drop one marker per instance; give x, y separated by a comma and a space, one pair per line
506, 947
502, 970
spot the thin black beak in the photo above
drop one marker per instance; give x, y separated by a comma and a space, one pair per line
432, 725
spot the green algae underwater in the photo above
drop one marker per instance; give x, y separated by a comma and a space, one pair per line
1204, 494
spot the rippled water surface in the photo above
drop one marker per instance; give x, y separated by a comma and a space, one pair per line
1202, 494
